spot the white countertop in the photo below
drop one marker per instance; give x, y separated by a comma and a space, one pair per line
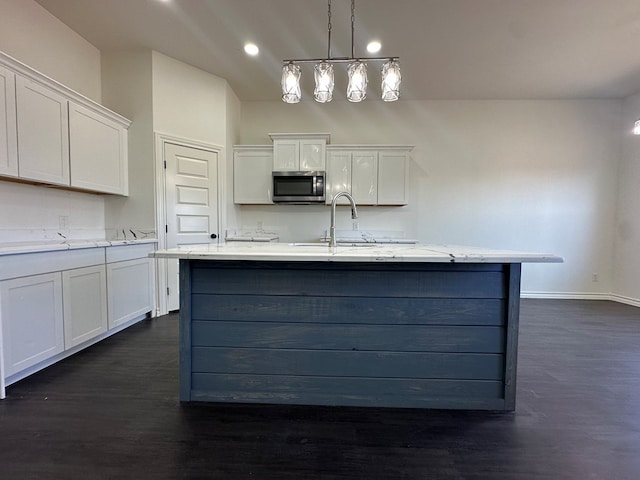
12, 248
321, 252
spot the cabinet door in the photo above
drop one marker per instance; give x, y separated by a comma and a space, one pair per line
32, 325
85, 304
286, 155
393, 178
43, 133
364, 177
252, 180
8, 132
312, 155
98, 152
130, 290
338, 175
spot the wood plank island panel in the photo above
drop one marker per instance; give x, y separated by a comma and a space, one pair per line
420, 335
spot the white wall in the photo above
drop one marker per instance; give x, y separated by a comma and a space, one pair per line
523, 175
126, 85
233, 135
34, 37
627, 254
34, 213
30, 34
191, 104
188, 102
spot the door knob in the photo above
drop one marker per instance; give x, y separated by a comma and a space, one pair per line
213, 235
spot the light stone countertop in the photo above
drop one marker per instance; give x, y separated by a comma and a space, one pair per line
321, 252
12, 248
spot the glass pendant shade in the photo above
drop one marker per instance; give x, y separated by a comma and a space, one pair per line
357, 89
291, 83
323, 74
391, 81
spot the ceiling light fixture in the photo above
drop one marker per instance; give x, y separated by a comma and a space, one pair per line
636, 128
251, 49
357, 73
374, 46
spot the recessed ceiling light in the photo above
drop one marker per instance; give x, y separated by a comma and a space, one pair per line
374, 47
251, 49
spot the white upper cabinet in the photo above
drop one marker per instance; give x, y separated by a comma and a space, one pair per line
53, 135
373, 174
8, 132
338, 175
43, 133
299, 152
98, 151
393, 177
364, 177
252, 180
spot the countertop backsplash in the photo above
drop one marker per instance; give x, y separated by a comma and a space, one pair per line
48, 235
130, 233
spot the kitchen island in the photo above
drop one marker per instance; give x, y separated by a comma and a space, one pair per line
417, 326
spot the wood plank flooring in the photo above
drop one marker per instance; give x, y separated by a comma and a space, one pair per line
112, 412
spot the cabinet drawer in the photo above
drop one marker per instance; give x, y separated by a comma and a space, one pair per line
22, 265
121, 253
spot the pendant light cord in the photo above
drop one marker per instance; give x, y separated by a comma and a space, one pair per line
353, 21
329, 31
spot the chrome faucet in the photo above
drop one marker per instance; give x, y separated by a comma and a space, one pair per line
354, 214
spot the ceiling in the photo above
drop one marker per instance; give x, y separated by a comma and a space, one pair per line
448, 49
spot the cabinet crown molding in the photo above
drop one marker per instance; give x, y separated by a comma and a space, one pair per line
300, 136
361, 146
33, 74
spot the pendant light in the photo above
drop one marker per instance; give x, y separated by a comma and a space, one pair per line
357, 88
391, 81
291, 83
323, 74
356, 71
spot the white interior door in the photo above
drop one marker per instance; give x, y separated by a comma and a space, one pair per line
191, 192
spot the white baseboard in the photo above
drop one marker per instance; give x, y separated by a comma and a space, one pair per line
582, 296
626, 300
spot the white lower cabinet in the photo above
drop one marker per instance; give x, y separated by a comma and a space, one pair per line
84, 293
84, 296
32, 320
130, 290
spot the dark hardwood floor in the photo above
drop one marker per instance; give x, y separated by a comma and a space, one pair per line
112, 412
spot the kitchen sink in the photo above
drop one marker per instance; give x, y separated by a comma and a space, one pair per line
326, 244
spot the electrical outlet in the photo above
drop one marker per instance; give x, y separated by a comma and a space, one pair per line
594, 277
63, 222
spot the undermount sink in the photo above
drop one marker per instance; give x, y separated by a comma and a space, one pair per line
326, 244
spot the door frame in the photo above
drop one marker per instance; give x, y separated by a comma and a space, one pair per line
160, 141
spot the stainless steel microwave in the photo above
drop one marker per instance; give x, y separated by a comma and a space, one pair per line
298, 187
